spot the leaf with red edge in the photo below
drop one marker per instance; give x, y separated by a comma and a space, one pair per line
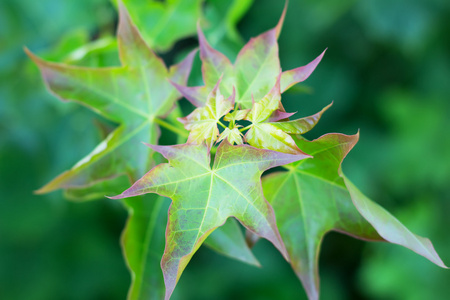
204, 197
313, 197
132, 95
253, 73
276, 135
302, 125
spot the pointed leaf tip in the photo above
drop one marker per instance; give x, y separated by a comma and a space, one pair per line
279, 25
389, 228
194, 94
300, 74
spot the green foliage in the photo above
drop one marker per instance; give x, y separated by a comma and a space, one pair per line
314, 197
204, 196
164, 22
132, 95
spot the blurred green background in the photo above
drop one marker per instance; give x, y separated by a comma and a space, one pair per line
387, 69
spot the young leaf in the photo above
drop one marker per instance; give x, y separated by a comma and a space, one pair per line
279, 115
254, 72
133, 95
312, 198
302, 125
203, 197
162, 23
275, 135
236, 115
202, 122
234, 136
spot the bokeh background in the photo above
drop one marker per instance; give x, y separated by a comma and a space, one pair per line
387, 69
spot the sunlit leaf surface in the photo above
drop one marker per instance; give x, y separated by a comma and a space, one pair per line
203, 197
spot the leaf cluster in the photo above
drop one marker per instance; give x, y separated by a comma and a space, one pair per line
238, 130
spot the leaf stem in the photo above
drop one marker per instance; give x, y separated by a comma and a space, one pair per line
171, 127
221, 124
245, 128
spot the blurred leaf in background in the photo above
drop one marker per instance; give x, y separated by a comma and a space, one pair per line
162, 23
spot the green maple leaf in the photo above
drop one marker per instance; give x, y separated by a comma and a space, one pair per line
143, 245
133, 95
254, 72
314, 197
234, 136
266, 133
202, 122
203, 197
162, 23
143, 242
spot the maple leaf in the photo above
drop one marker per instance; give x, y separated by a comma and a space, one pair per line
143, 242
314, 197
254, 72
162, 23
203, 197
236, 115
276, 135
234, 136
202, 122
133, 95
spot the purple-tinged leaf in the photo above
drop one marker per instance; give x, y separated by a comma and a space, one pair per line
279, 115
197, 95
313, 198
291, 77
204, 197
257, 66
302, 125
254, 72
131, 95
214, 64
